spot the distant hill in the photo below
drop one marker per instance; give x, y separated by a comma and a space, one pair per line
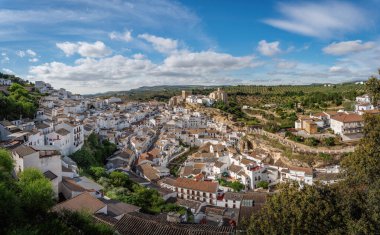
159, 93
162, 88
163, 93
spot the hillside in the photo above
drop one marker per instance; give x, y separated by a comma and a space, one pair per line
245, 94
20, 100
160, 93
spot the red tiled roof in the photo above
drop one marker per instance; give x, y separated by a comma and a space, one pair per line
82, 202
204, 186
345, 118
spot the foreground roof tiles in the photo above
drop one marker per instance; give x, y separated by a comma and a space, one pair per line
139, 224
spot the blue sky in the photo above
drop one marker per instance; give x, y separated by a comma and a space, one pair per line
91, 46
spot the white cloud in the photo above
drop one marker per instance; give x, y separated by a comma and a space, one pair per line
28, 52
160, 44
347, 47
120, 73
5, 58
98, 19
338, 69
206, 62
33, 60
269, 48
8, 71
21, 54
138, 56
284, 64
322, 20
96, 50
31, 53
126, 36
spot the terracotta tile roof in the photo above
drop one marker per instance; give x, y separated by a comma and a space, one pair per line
188, 203
236, 169
167, 180
116, 208
24, 150
148, 171
205, 147
199, 165
186, 171
204, 186
345, 118
307, 170
105, 219
137, 224
233, 196
203, 155
72, 185
246, 161
219, 164
82, 202
62, 132
256, 197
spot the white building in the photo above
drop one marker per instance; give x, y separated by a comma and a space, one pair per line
203, 191
344, 124
363, 99
45, 158
5, 82
363, 107
68, 137
301, 175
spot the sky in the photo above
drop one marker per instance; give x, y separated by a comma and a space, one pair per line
91, 46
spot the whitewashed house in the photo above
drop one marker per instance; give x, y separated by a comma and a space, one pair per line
47, 159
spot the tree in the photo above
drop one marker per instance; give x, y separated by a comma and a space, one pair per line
6, 165
263, 184
272, 127
311, 141
363, 166
236, 186
119, 179
311, 210
36, 192
373, 89
359, 191
329, 141
97, 172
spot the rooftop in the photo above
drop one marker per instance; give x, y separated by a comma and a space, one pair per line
82, 202
204, 186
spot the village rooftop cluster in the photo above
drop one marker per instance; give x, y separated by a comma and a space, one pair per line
150, 136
